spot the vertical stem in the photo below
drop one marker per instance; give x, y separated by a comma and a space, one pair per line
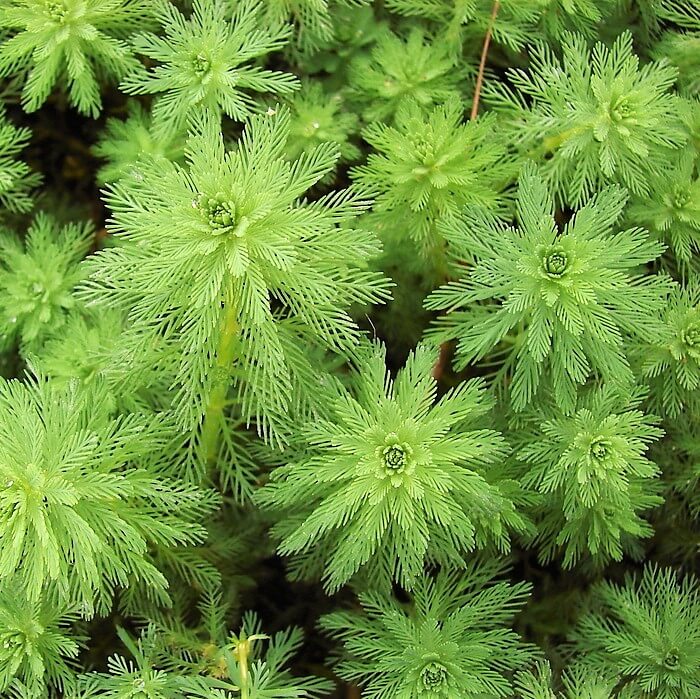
211, 427
242, 652
243, 668
482, 62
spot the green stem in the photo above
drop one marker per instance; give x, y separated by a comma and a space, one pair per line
211, 428
551, 143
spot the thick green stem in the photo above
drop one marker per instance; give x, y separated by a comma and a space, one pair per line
242, 653
211, 428
551, 143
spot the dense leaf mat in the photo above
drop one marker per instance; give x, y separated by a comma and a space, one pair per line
349, 349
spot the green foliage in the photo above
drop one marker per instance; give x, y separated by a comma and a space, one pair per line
208, 246
123, 142
317, 117
393, 477
383, 313
139, 678
74, 476
427, 167
582, 16
647, 631
209, 662
400, 68
593, 473
461, 23
37, 646
76, 43
251, 673
451, 642
683, 50
16, 177
577, 681
312, 20
88, 348
561, 302
681, 46
355, 28
672, 360
593, 117
37, 277
204, 63
672, 210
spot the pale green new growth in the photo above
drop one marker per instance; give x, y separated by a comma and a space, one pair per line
584, 16
671, 361
205, 63
212, 662
37, 278
77, 43
671, 210
560, 303
312, 20
358, 314
140, 678
427, 167
682, 47
464, 23
254, 667
318, 117
89, 347
578, 683
452, 642
394, 477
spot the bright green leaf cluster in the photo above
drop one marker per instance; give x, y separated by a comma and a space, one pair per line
38, 647
317, 117
372, 316
394, 477
209, 246
672, 210
16, 178
451, 642
593, 117
82, 501
312, 20
205, 63
38, 276
77, 43
560, 303
124, 142
426, 168
647, 631
398, 69
671, 361
596, 479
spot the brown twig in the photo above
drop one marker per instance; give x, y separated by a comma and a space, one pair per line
441, 362
482, 62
